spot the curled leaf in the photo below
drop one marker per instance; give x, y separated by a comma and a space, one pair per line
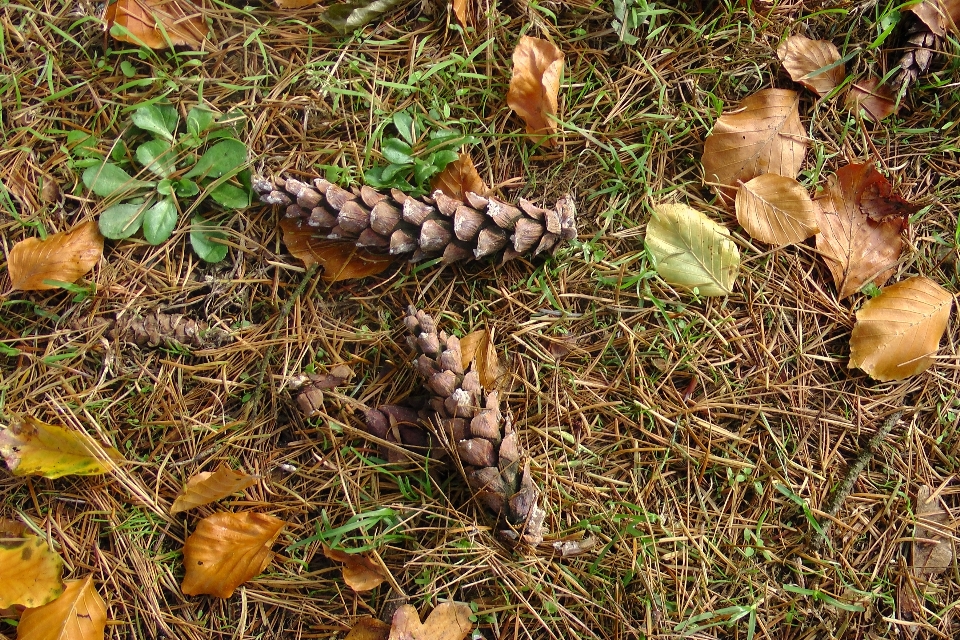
353, 14
477, 347
806, 61
34, 448
63, 257
29, 569
207, 487
459, 177
448, 621
360, 572
535, 85
78, 614
939, 15
341, 260
157, 24
876, 100
776, 210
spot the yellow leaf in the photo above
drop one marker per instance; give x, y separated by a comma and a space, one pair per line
449, 621
62, 256
29, 569
459, 177
157, 24
78, 614
226, 550
360, 572
776, 210
803, 58
34, 448
208, 487
535, 85
369, 629
898, 332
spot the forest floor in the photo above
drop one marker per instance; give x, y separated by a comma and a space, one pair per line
699, 440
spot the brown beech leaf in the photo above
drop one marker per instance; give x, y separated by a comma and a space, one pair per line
341, 260
369, 629
459, 177
880, 203
360, 572
34, 448
898, 332
803, 58
63, 256
776, 210
78, 614
762, 135
157, 24
29, 569
477, 347
448, 621
226, 550
535, 86
856, 249
932, 550
876, 100
939, 15
207, 487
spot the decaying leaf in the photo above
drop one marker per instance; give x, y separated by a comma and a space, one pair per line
876, 100
210, 486
878, 201
898, 332
776, 210
369, 629
692, 251
449, 621
63, 257
34, 448
78, 614
347, 16
360, 572
157, 24
340, 260
29, 569
803, 59
535, 85
932, 550
857, 250
762, 135
459, 177
939, 15
478, 347
226, 550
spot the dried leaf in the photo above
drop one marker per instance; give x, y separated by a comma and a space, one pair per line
776, 210
369, 629
803, 58
294, 4
207, 487
856, 249
157, 24
878, 201
78, 614
347, 16
64, 257
535, 85
939, 15
34, 448
459, 177
360, 572
478, 347
462, 12
449, 621
932, 550
226, 550
29, 569
341, 260
692, 251
762, 135
898, 332
876, 100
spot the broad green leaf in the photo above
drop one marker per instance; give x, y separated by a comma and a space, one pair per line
223, 158
30, 570
423, 171
230, 196
165, 187
34, 448
159, 221
397, 151
391, 170
186, 188
203, 238
158, 156
108, 180
151, 118
121, 220
199, 120
347, 16
404, 124
441, 159
690, 250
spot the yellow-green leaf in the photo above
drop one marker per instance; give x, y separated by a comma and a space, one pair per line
29, 569
34, 448
690, 250
78, 614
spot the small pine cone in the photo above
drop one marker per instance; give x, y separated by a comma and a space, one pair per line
434, 227
157, 328
919, 49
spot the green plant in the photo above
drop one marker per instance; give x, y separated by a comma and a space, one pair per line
171, 169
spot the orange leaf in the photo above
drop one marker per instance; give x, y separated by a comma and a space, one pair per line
459, 177
477, 347
207, 487
939, 15
341, 260
535, 85
803, 57
157, 24
62, 256
462, 13
449, 621
856, 249
78, 614
776, 210
875, 99
360, 572
226, 550
369, 629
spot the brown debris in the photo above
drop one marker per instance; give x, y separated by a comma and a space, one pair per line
158, 328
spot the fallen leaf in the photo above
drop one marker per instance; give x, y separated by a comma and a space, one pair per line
360, 572
932, 550
157, 24
939, 15
878, 201
29, 569
762, 135
64, 257
459, 177
876, 100
34, 448
461, 11
803, 58
348, 16
478, 347
776, 210
294, 4
341, 260
448, 621
207, 487
690, 250
78, 614
226, 550
369, 629
898, 332
857, 250
535, 85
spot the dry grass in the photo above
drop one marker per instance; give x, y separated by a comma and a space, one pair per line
675, 430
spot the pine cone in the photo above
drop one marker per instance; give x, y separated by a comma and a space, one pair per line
433, 227
920, 47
